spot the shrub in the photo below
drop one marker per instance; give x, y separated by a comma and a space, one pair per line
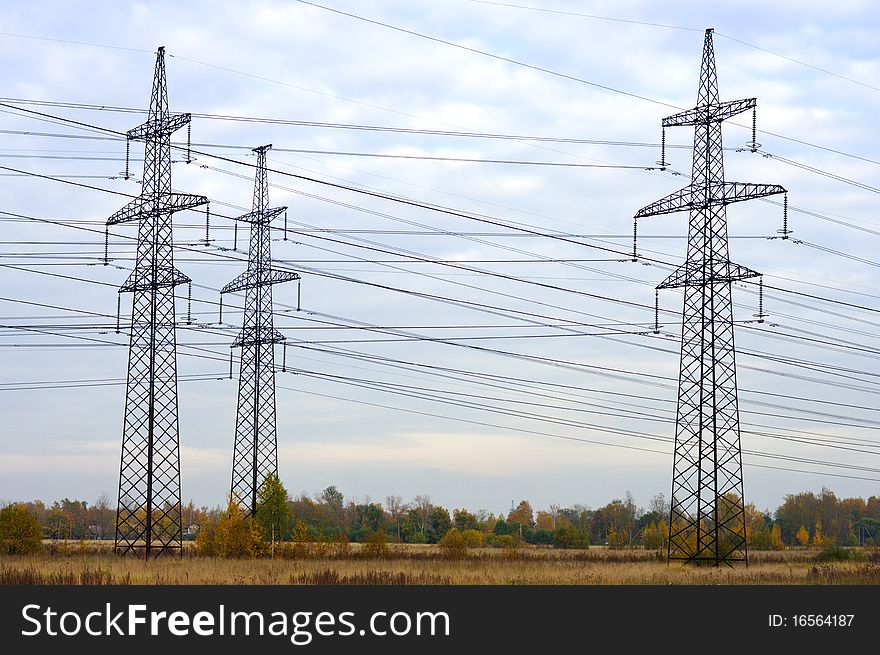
834, 553
376, 545
20, 532
502, 541
234, 535
453, 545
472, 538
569, 536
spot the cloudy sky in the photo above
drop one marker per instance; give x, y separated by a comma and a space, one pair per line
497, 346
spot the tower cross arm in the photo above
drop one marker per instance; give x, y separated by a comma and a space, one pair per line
261, 217
251, 279
692, 197
714, 112
158, 126
166, 203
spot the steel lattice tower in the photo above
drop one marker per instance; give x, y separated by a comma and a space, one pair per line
255, 454
148, 516
707, 521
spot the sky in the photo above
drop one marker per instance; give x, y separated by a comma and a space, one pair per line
497, 345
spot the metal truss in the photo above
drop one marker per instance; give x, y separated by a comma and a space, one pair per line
255, 453
148, 518
707, 521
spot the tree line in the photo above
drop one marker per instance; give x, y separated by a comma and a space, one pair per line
803, 519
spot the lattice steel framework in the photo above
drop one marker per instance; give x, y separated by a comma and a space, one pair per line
255, 453
148, 519
707, 520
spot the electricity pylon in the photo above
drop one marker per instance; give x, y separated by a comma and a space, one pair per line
707, 521
255, 453
148, 514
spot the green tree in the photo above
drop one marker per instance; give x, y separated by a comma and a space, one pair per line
273, 510
332, 499
569, 536
439, 524
464, 520
20, 532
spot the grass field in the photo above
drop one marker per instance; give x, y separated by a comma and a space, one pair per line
94, 564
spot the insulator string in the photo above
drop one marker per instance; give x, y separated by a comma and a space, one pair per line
656, 311
663, 163
635, 237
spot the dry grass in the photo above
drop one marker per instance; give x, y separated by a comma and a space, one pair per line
93, 563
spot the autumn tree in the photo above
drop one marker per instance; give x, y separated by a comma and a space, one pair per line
651, 538
376, 545
523, 514
776, 538
20, 532
803, 536
545, 521
663, 532
617, 539
473, 538
235, 535
453, 544
301, 539
273, 510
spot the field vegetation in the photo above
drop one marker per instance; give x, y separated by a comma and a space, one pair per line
93, 563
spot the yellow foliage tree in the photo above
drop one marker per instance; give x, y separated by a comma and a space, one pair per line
376, 545
20, 532
234, 536
473, 538
776, 538
663, 531
651, 538
803, 536
453, 545
544, 521
301, 539
818, 537
617, 539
